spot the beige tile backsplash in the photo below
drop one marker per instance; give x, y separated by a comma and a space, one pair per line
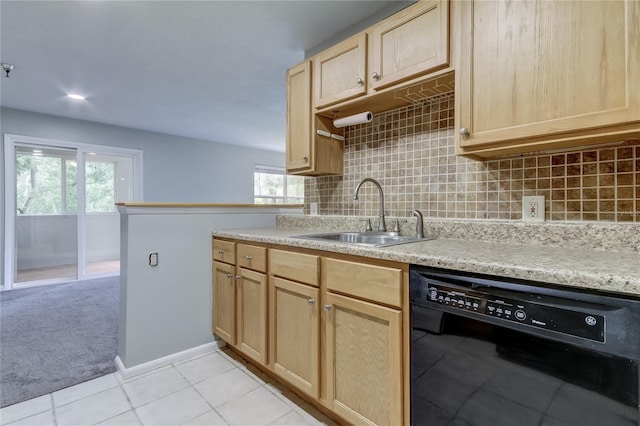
410, 151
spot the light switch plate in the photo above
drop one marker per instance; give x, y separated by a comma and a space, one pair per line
533, 208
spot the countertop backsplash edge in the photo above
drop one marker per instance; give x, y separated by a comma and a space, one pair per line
624, 237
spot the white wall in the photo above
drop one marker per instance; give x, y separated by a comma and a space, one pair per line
176, 169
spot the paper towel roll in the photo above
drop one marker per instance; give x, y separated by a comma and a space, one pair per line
363, 117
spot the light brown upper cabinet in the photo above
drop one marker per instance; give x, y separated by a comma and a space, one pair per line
299, 141
408, 44
540, 74
340, 71
307, 153
412, 42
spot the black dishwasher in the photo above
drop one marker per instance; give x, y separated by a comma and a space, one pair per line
489, 351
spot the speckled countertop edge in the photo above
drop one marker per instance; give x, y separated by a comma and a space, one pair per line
582, 268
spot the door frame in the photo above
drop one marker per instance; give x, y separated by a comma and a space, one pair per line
10, 142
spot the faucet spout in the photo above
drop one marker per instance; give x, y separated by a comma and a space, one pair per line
419, 224
382, 227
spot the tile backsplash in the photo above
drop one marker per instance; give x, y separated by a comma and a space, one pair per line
410, 151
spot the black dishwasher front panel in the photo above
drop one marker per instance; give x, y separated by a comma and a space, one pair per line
496, 352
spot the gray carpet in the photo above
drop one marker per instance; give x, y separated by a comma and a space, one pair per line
56, 336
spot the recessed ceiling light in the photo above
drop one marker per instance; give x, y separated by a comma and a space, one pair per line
76, 96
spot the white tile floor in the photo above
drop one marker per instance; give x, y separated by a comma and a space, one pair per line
213, 389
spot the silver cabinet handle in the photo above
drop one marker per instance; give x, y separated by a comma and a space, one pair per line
359, 81
464, 131
375, 75
327, 308
305, 158
311, 301
238, 277
229, 275
220, 251
248, 257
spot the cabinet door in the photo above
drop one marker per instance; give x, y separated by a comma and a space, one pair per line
363, 357
294, 334
410, 43
340, 71
299, 139
252, 314
547, 70
224, 302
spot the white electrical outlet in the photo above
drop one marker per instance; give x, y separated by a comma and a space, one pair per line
313, 208
533, 208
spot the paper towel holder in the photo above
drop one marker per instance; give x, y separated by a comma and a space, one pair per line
352, 120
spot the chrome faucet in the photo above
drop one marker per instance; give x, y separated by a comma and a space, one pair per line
419, 225
381, 225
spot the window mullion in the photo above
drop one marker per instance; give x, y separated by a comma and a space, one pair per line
63, 185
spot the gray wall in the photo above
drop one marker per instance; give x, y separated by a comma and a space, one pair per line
176, 169
168, 308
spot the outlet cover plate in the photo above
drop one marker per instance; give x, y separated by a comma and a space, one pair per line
533, 208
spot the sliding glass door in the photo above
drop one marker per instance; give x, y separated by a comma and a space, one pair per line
61, 219
46, 222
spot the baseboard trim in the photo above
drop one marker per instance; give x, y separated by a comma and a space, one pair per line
127, 373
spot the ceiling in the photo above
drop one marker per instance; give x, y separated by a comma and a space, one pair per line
212, 70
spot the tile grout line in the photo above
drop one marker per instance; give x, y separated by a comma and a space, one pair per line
192, 385
54, 415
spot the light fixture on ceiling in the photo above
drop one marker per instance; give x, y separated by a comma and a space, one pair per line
76, 96
7, 68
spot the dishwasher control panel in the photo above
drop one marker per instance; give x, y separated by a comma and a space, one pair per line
560, 319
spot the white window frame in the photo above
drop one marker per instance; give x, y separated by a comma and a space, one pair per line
10, 142
257, 168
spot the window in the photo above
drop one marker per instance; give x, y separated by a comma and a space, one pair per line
45, 181
100, 186
271, 185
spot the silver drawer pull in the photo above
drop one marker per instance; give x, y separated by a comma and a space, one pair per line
220, 251
229, 275
311, 301
327, 308
248, 257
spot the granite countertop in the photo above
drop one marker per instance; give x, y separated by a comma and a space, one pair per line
614, 271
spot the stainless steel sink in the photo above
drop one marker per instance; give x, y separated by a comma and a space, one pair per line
374, 239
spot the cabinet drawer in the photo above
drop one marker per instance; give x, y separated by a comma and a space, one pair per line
371, 282
252, 257
224, 251
295, 266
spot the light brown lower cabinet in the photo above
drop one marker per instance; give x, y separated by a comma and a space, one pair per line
363, 354
295, 325
224, 302
329, 326
240, 297
252, 314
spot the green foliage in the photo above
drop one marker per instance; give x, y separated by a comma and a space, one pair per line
100, 187
48, 184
